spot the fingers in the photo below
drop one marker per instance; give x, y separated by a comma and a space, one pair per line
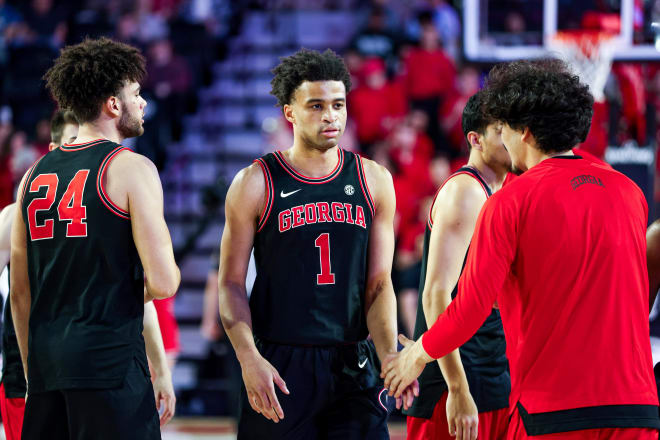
398, 403
474, 429
169, 402
280, 382
405, 341
459, 431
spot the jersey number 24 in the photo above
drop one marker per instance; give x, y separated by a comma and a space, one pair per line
70, 208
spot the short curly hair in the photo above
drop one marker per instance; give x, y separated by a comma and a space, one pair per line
544, 96
307, 65
88, 73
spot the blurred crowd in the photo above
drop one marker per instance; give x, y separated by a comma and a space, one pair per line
180, 38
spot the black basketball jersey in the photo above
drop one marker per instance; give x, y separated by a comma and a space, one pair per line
13, 378
311, 254
85, 275
483, 356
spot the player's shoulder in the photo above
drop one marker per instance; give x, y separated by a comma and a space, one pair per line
462, 186
248, 186
374, 171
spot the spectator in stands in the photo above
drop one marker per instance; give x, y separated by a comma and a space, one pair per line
376, 104
468, 82
376, 40
46, 23
429, 76
23, 154
169, 79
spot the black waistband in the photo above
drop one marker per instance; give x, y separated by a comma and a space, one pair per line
592, 417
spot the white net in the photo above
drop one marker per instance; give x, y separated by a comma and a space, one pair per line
589, 55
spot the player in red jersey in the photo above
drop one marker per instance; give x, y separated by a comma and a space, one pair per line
562, 250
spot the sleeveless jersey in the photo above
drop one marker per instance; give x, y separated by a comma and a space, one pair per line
85, 275
12, 366
311, 254
483, 356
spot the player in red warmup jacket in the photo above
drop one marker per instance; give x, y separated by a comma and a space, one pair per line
562, 250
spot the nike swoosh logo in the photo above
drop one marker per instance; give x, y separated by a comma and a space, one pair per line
285, 195
362, 364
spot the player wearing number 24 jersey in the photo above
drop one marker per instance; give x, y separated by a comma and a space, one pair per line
320, 221
88, 230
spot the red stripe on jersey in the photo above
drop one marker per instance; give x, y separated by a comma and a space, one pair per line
65, 147
269, 194
312, 180
367, 194
99, 185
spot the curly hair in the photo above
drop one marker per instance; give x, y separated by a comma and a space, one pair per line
307, 65
87, 74
58, 121
544, 96
474, 118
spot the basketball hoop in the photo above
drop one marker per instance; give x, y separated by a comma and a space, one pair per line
589, 53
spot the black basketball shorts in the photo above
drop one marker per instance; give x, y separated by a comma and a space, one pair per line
126, 413
336, 393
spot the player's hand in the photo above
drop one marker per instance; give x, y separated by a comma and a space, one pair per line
409, 394
165, 397
400, 370
462, 415
259, 376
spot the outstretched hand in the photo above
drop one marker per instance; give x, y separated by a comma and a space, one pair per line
402, 369
260, 377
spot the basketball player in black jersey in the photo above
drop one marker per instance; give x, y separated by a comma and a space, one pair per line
320, 220
478, 374
64, 129
90, 219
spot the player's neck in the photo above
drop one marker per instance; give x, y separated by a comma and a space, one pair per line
536, 156
312, 162
494, 177
90, 131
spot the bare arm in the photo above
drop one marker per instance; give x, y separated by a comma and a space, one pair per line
6, 220
210, 328
19, 291
653, 260
454, 217
162, 382
133, 184
245, 199
380, 301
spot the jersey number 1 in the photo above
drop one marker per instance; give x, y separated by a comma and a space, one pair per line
326, 276
70, 208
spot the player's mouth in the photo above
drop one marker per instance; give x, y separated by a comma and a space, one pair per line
330, 132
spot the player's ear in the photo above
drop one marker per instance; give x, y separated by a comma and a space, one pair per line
52, 146
475, 140
112, 106
527, 136
288, 113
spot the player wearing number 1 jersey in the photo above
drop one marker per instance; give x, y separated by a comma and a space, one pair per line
320, 220
90, 218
